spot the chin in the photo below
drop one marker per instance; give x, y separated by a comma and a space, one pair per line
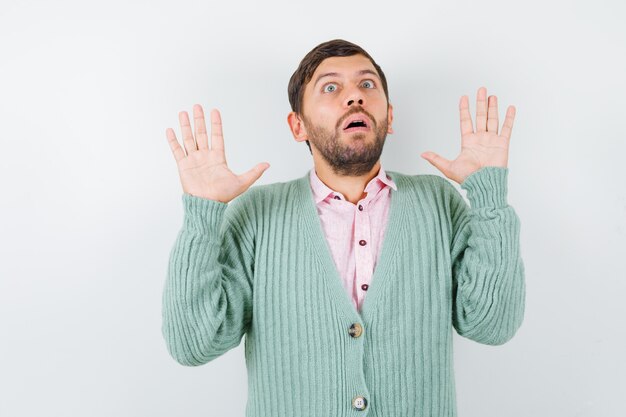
357, 135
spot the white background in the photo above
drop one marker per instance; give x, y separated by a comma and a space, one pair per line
91, 199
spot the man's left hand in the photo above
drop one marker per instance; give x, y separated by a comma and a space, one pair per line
481, 148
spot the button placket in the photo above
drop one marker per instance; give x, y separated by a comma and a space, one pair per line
359, 402
363, 253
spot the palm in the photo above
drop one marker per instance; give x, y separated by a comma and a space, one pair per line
481, 148
202, 168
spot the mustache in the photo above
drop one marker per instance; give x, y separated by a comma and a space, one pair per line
353, 111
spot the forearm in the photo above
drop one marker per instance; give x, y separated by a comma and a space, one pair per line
207, 292
488, 271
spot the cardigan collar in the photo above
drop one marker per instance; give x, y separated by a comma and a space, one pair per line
321, 191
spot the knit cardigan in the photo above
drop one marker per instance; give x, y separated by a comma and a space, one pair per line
260, 266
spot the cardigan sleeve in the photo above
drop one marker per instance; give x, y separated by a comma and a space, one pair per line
207, 299
488, 288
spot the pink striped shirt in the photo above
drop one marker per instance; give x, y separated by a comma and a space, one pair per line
354, 231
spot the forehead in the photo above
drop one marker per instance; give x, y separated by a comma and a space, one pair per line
345, 65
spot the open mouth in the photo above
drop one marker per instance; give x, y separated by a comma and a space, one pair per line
357, 125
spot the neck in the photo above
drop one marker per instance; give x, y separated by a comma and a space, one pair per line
352, 187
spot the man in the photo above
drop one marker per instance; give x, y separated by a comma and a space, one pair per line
347, 281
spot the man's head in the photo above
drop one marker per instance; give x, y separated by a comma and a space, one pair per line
337, 83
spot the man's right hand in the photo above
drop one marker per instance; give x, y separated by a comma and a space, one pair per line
203, 171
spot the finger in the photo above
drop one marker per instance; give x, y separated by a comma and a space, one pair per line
466, 118
178, 152
481, 110
198, 121
439, 162
252, 175
492, 114
507, 127
217, 137
188, 140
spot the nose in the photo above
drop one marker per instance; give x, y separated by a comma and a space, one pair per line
354, 95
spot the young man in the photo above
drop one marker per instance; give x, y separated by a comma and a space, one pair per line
348, 280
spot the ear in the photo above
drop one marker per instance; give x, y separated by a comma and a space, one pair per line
389, 118
297, 127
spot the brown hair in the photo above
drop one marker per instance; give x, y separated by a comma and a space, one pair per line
308, 65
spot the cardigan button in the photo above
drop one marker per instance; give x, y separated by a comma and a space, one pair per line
355, 330
359, 402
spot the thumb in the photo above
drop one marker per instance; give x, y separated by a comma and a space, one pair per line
437, 161
254, 174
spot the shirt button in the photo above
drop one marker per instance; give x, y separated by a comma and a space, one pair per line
362, 242
355, 330
337, 197
359, 402
364, 287
360, 207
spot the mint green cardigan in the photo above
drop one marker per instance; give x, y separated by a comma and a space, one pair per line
261, 266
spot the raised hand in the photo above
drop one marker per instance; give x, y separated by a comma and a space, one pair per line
203, 171
481, 148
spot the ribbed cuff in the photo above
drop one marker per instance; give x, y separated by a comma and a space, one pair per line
202, 214
487, 187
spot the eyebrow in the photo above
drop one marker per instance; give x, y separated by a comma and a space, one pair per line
336, 74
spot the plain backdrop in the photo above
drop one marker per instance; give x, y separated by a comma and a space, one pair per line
91, 200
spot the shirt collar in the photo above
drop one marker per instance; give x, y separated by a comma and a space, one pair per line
321, 191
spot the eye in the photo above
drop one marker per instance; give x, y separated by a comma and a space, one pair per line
368, 84
329, 88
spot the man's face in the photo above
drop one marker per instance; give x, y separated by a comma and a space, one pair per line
345, 114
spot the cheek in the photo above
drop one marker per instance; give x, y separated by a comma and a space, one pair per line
378, 98
326, 116
380, 104
321, 110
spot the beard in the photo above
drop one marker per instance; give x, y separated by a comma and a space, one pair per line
352, 155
